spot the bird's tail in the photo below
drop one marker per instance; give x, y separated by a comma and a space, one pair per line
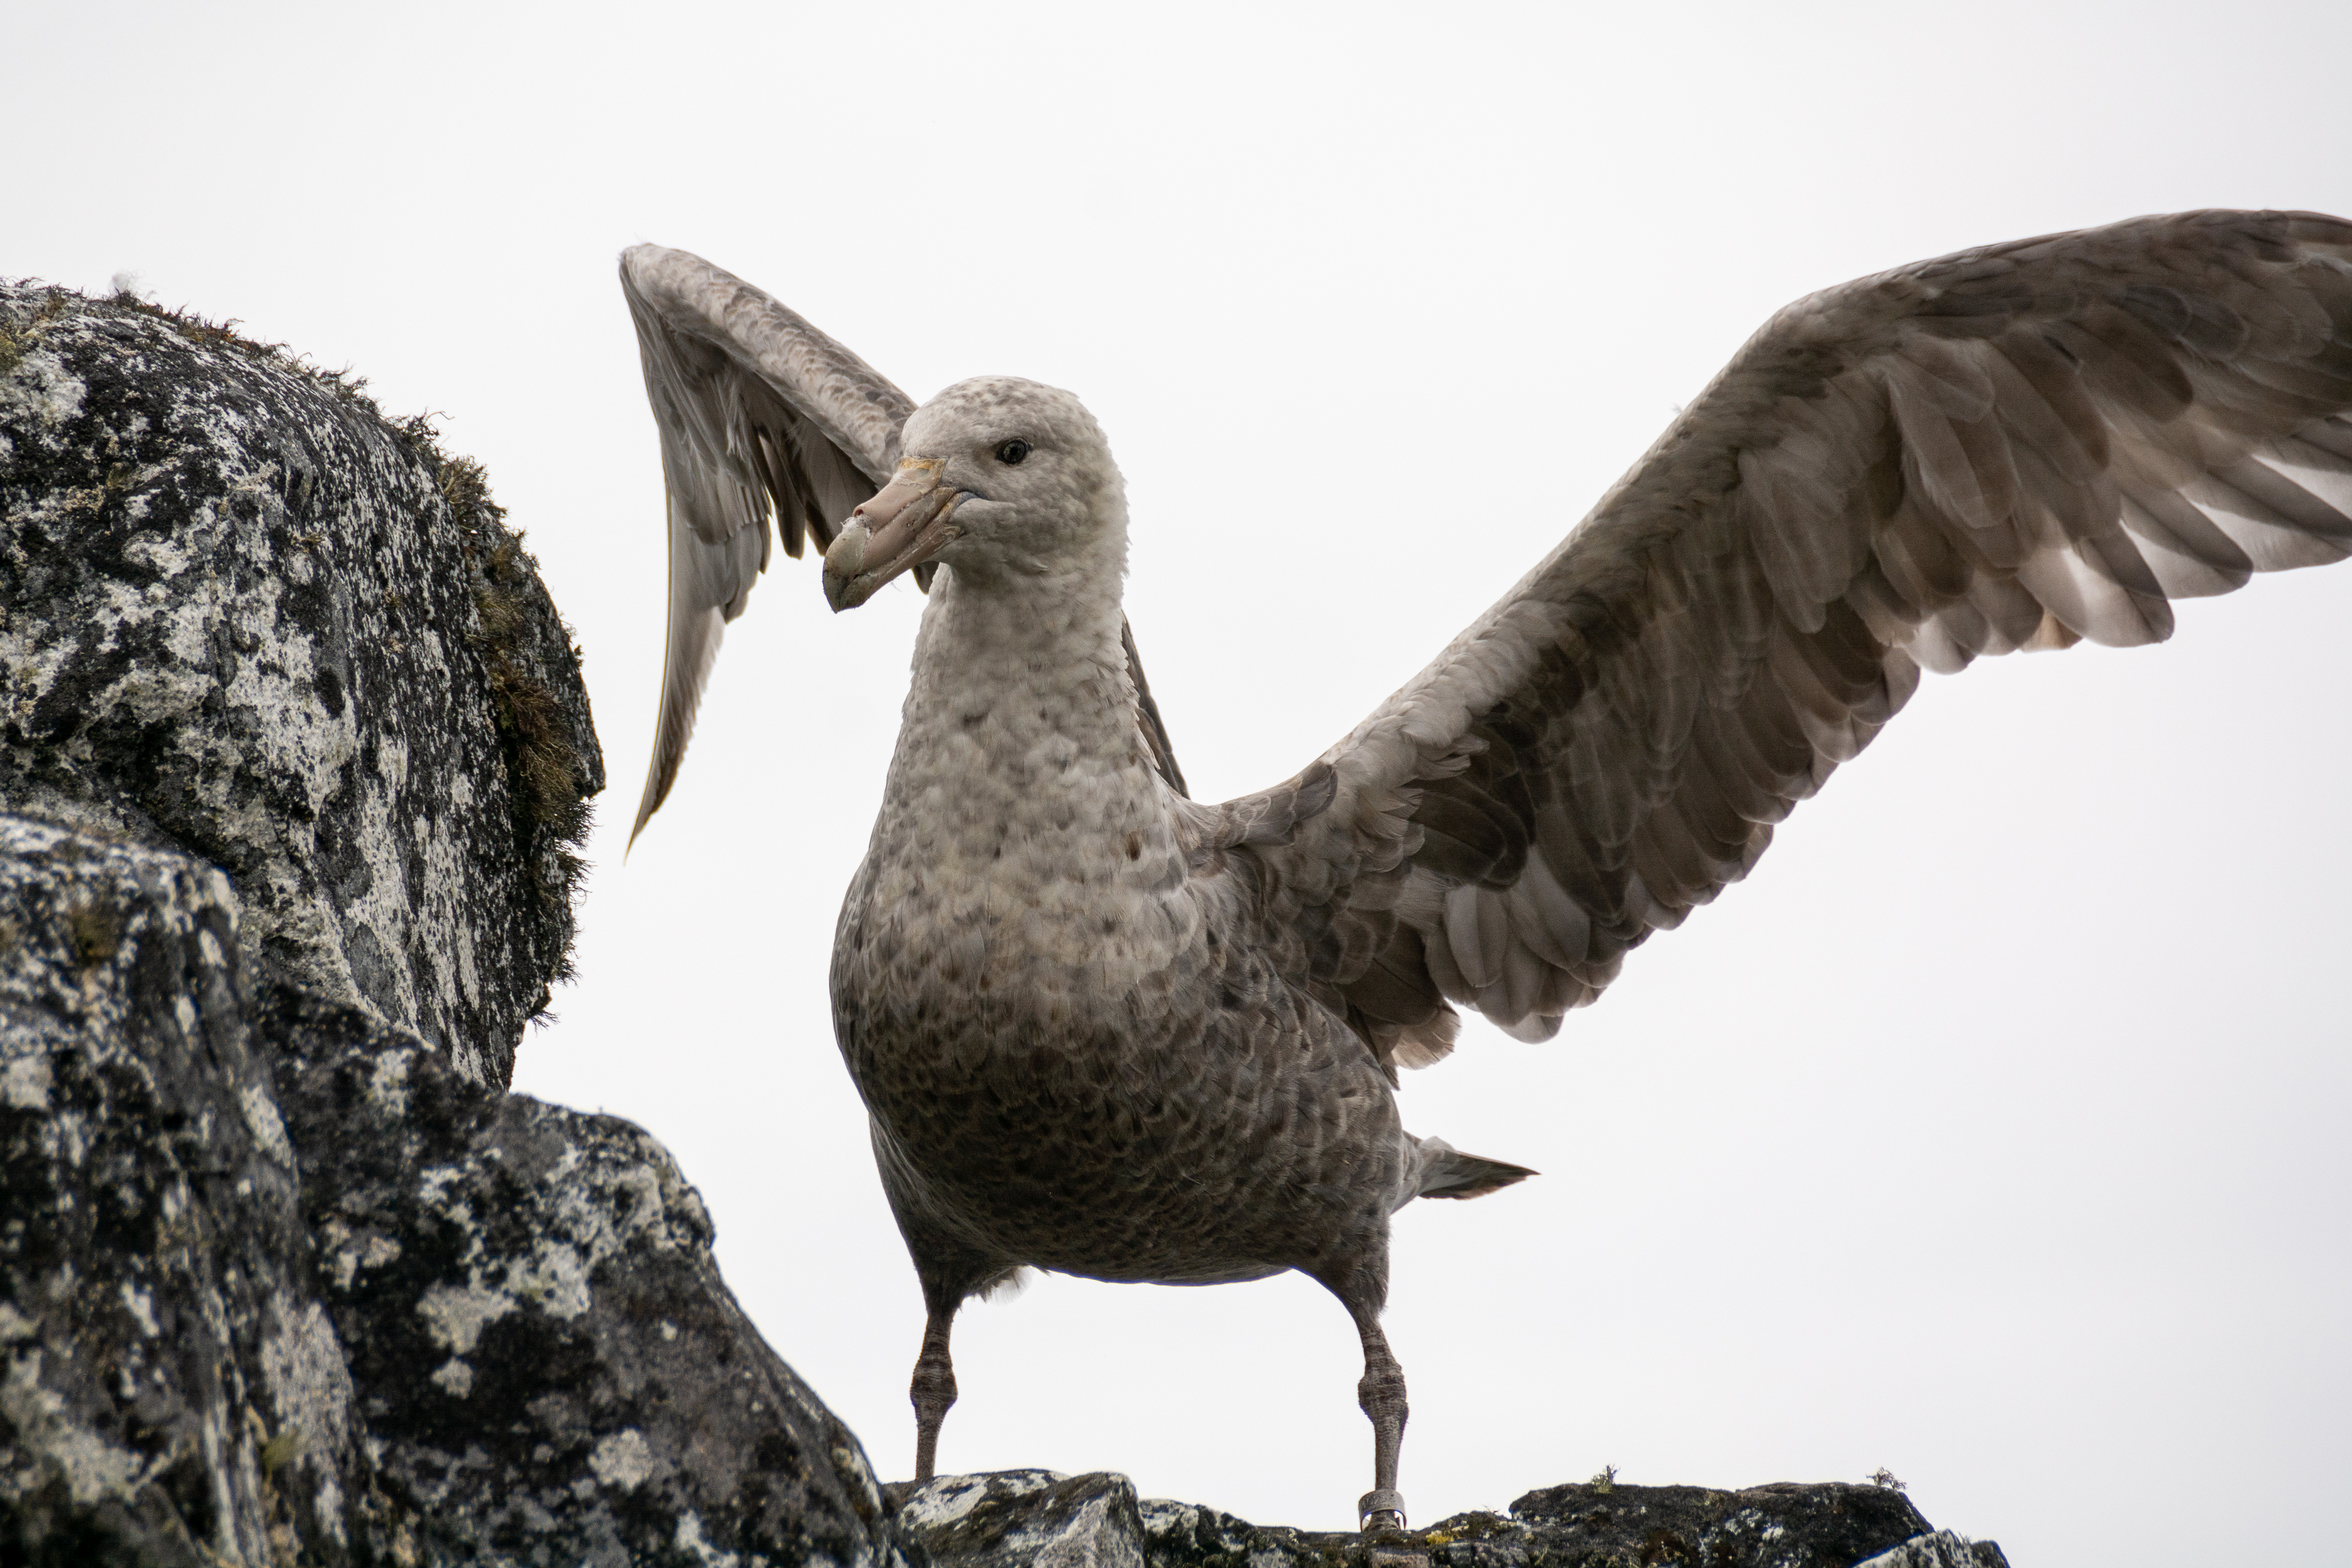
1447, 1172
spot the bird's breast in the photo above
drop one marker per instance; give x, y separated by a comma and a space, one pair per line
1067, 1072
1068, 1059
1024, 860
1055, 911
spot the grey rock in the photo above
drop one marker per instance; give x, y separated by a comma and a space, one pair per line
1944, 1549
1015, 1519
548, 1367
1787, 1524
174, 1392
278, 1282
1026, 1517
301, 752
243, 615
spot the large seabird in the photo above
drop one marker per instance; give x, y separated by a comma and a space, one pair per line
1103, 1029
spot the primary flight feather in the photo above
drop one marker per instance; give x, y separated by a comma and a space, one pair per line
1104, 1028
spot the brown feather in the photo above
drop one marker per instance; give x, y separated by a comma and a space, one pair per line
2015, 447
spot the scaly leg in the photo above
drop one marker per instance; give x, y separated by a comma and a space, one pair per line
932, 1391
1381, 1393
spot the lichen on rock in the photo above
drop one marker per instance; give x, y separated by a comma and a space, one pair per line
171, 1387
1015, 1519
294, 764
242, 615
280, 1283
549, 1364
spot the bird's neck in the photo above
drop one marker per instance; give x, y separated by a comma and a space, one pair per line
1026, 855
1021, 777
1022, 676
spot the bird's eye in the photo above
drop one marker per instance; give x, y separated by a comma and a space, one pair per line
1011, 452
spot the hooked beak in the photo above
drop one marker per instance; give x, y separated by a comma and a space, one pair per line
905, 524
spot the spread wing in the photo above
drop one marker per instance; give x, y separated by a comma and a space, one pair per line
758, 411
2015, 447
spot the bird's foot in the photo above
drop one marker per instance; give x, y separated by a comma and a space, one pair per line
1380, 1509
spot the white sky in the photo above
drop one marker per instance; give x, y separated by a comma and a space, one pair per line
1994, 1131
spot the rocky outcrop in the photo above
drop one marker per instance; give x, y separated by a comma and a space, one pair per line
293, 756
280, 1283
547, 1362
243, 615
172, 1383
1033, 1519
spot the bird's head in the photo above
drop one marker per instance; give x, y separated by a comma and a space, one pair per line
997, 476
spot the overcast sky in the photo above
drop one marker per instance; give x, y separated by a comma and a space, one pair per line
1994, 1131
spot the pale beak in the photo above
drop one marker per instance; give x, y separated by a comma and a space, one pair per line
907, 523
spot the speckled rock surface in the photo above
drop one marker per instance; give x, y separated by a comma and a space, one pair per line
293, 752
1016, 1519
1788, 1524
1941, 1550
278, 1284
243, 615
173, 1390
547, 1362
1024, 1517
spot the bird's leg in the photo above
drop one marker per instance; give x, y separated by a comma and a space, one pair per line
1381, 1393
932, 1391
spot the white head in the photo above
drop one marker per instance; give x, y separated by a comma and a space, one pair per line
998, 478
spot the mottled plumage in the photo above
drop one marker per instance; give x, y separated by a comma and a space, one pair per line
1104, 1028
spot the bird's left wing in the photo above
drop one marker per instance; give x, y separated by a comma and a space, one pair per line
2014, 447
757, 409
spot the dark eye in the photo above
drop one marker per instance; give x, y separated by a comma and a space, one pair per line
1011, 452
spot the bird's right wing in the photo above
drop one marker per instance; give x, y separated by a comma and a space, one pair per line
2014, 447
757, 408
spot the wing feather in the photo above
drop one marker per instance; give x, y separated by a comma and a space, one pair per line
2018, 447
758, 413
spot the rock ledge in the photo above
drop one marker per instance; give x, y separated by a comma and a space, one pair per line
1014, 1519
